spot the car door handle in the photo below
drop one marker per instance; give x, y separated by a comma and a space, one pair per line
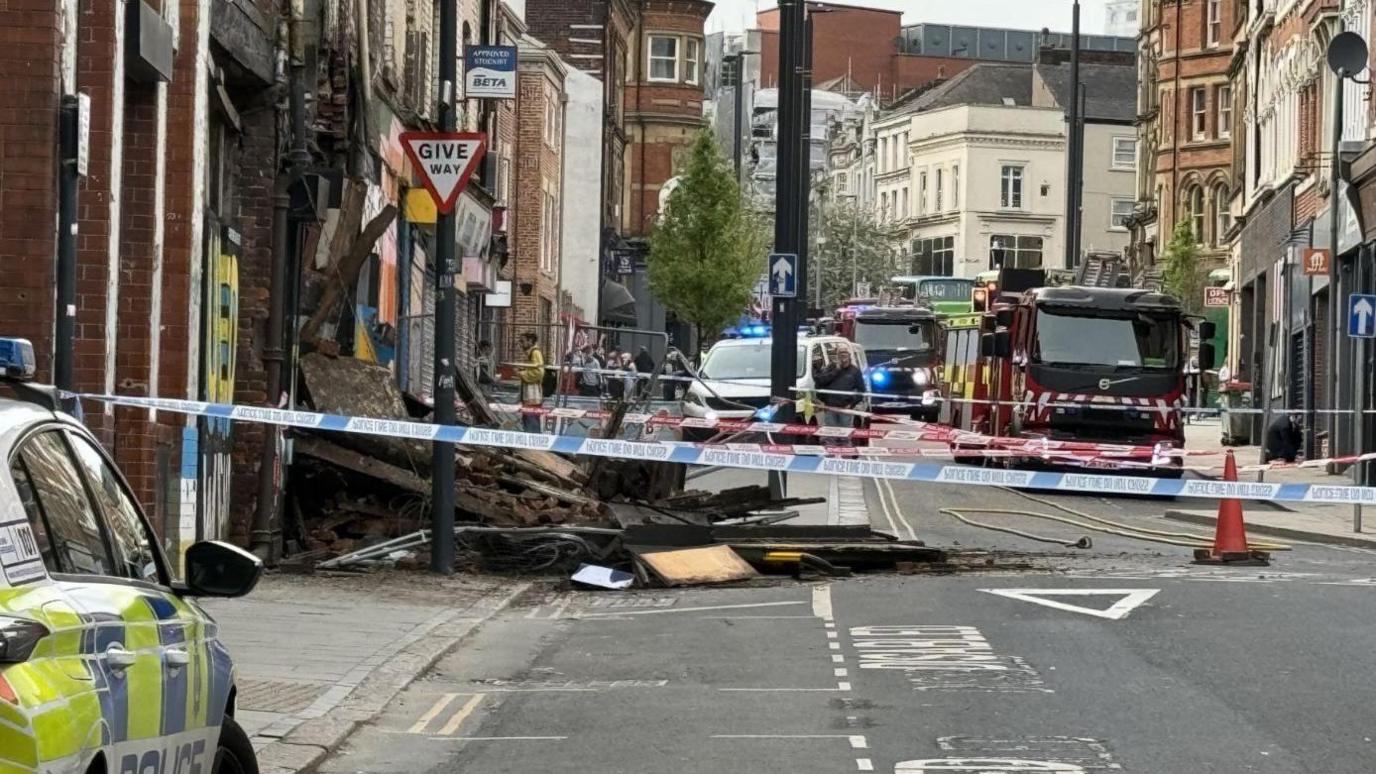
120, 659
176, 658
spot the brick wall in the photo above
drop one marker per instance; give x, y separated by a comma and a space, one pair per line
1188, 61
134, 439
100, 73
30, 84
253, 218
663, 117
536, 177
596, 37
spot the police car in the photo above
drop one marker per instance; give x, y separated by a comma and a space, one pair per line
107, 664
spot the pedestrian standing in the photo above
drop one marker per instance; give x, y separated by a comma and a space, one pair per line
628, 378
644, 365
616, 387
589, 381
670, 377
532, 377
839, 386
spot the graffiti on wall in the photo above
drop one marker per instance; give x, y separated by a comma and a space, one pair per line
220, 328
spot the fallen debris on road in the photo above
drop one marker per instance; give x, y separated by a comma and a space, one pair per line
359, 502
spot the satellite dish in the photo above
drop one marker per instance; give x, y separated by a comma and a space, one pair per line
1347, 54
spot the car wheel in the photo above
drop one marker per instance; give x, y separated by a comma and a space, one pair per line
234, 753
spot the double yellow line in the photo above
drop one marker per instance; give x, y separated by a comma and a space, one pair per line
455, 721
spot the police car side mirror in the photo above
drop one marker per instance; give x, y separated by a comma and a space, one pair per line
18, 638
215, 569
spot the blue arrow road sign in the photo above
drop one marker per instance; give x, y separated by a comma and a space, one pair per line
1361, 316
783, 275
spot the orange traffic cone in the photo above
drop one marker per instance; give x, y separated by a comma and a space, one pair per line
1230, 536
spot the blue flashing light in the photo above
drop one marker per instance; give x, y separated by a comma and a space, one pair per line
759, 330
879, 378
16, 359
766, 413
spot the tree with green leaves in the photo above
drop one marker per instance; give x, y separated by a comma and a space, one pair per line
706, 251
1183, 272
848, 247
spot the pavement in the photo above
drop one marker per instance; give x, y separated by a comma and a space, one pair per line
1035, 657
317, 655
1334, 524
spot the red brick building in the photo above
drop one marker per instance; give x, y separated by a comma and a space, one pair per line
649, 55
173, 226
860, 45
1187, 115
663, 102
596, 36
538, 193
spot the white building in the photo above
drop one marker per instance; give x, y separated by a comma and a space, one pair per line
975, 168
970, 167
581, 240
1120, 18
1110, 164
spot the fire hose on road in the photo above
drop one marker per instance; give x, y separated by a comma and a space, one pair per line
1093, 524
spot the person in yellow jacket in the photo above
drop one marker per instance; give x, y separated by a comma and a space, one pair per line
532, 377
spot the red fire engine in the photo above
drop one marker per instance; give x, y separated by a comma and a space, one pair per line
1070, 363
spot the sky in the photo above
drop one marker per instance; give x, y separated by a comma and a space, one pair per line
1017, 14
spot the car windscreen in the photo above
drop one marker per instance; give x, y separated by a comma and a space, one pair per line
749, 361
893, 335
1137, 341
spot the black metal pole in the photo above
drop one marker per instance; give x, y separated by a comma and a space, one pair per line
784, 321
739, 109
264, 534
442, 471
1335, 300
1078, 160
65, 342
804, 197
1072, 215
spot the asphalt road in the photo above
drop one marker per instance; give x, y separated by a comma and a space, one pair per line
1172, 669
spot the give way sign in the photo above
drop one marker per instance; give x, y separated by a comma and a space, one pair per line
444, 161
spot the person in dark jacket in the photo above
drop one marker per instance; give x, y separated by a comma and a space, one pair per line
644, 364
1284, 439
839, 386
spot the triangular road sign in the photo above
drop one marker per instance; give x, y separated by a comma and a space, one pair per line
1128, 599
444, 161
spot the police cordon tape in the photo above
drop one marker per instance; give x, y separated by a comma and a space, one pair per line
915, 402
922, 431
669, 451
1076, 452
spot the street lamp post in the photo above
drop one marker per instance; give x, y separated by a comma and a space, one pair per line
1347, 56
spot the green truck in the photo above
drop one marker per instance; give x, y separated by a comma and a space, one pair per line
944, 295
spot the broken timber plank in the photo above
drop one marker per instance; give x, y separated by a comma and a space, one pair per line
361, 463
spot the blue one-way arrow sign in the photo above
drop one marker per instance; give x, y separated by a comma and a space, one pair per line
1361, 316
783, 275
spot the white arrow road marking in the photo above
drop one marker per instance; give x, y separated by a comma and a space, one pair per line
1130, 599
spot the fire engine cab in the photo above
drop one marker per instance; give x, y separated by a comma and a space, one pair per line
1073, 363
